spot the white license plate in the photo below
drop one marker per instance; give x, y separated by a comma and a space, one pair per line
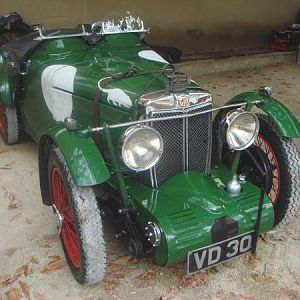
212, 255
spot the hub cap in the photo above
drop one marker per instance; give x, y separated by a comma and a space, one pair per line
2, 119
263, 144
65, 217
59, 219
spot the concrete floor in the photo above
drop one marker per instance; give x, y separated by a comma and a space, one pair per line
32, 263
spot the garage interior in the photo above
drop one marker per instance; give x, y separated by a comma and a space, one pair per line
226, 48
193, 26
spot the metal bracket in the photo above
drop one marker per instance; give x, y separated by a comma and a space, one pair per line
14, 68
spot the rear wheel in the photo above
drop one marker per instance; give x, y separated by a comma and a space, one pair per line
79, 222
279, 160
9, 128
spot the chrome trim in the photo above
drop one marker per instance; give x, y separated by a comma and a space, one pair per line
123, 25
186, 144
106, 27
230, 118
155, 177
185, 135
266, 90
59, 219
129, 132
163, 99
151, 177
97, 129
153, 234
44, 37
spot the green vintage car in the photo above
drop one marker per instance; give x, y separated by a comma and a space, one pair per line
121, 130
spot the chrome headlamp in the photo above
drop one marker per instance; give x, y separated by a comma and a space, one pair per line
141, 147
241, 129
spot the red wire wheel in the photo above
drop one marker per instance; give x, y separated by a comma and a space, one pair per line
9, 125
79, 220
276, 157
68, 227
2, 119
284, 170
266, 147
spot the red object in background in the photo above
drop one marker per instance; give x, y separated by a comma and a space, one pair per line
281, 45
285, 40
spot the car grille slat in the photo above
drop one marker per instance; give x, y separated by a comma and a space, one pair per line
173, 154
187, 145
199, 141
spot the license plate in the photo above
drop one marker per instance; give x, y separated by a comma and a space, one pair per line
212, 255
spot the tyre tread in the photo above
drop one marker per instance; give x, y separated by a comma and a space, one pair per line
12, 129
90, 229
291, 161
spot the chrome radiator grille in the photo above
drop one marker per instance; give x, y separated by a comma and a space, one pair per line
187, 144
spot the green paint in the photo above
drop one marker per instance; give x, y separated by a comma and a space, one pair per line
283, 118
116, 168
186, 206
5, 95
114, 54
84, 160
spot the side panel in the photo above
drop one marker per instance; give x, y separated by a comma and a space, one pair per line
82, 156
5, 95
283, 118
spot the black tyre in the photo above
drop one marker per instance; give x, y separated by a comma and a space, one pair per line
280, 161
79, 220
136, 248
9, 128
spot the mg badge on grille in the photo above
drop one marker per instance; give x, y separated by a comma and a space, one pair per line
184, 101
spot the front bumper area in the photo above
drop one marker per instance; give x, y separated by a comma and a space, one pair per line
187, 206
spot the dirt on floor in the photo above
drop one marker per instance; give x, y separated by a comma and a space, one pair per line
32, 263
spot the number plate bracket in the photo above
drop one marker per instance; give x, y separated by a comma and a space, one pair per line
217, 253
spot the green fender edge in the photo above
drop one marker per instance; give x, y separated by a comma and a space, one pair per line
83, 158
285, 121
5, 95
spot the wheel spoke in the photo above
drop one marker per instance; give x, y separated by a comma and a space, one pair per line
68, 231
66, 209
70, 221
71, 232
264, 145
2, 118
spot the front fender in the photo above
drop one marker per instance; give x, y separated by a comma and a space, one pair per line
5, 95
82, 156
285, 121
